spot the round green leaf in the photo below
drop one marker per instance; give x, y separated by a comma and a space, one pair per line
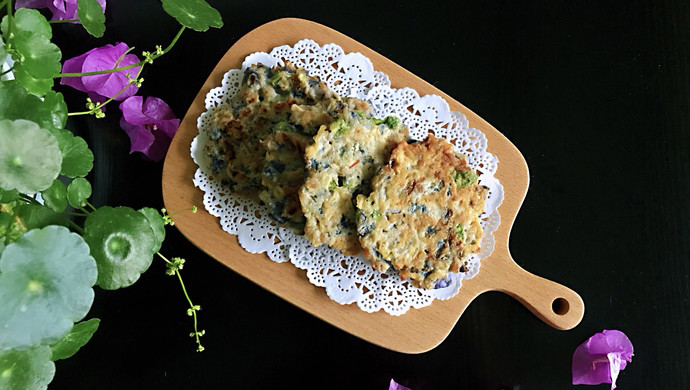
8, 196
18, 103
91, 17
39, 57
78, 191
55, 107
122, 243
30, 158
36, 86
77, 158
195, 14
29, 369
31, 21
46, 280
76, 338
36, 216
55, 196
157, 225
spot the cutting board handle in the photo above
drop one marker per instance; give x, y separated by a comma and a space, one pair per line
555, 304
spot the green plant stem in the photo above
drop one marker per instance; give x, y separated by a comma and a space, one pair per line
189, 300
101, 105
75, 226
63, 21
6, 71
28, 199
140, 63
90, 205
77, 214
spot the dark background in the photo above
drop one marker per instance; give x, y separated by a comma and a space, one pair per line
595, 95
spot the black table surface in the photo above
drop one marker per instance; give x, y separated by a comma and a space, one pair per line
594, 94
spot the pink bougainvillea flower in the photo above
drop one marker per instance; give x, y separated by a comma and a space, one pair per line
396, 386
103, 86
150, 125
601, 358
61, 9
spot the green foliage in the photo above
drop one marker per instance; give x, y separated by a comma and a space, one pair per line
29, 156
122, 243
17, 103
91, 17
36, 216
28, 369
195, 14
8, 196
27, 35
77, 158
157, 225
76, 338
35, 85
46, 273
78, 191
55, 196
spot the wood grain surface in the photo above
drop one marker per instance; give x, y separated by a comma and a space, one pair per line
418, 330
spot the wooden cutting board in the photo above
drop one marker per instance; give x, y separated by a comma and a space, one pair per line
418, 330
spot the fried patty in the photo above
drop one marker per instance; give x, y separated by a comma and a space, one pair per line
422, 216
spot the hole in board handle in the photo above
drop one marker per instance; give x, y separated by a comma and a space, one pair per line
560, 306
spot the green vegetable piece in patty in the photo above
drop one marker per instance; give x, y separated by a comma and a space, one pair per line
339, 127
390, 121
464, 178
375, 215
284, 127
460, 231
275, 79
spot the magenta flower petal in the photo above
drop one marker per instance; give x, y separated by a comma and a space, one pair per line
31, 4
61, 9
396, 386
140, 139
110, 84
75, 65
102, 58
601, 358
150, 124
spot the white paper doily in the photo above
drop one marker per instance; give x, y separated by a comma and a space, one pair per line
348, 279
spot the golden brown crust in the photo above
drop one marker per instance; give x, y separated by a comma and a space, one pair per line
418, 218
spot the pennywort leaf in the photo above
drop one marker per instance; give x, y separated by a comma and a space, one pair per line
29, 369
54, 106
27, 20
55, 196
35, 85
195, 14
30, 158
91, 17
46, 280
78, 191
16, 102
157, 225
37, 59
122, 243
38, 56
37, 216
8, 196
77, 158
80, 334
